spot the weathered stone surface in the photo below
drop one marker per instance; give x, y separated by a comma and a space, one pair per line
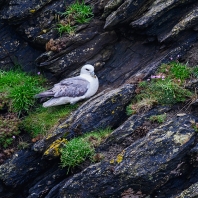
85, 45
111, 6
122, 134
139, 60
13, 49
41, 27
18, 9
127, 12
144, 166
139, 36
187, 22
46, 181
191, 192
21, 168
101, 111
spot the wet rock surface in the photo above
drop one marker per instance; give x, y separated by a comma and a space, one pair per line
148, 162
126, 41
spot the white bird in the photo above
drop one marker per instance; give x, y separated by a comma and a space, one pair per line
71, 90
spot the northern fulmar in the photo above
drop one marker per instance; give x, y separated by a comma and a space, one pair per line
72, 90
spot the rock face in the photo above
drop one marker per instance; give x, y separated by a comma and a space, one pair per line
144, 166
126, 41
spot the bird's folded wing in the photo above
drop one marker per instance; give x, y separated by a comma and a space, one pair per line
71, 87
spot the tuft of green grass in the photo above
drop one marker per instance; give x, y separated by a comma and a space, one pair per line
80, 12
75, 152
168, 91
42, 120
176, 70
65, 28
18, 88
158, 118
76, 13
166, 87
195, 71
79, 149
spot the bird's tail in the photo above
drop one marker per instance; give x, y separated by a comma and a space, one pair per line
52, 102
44, 94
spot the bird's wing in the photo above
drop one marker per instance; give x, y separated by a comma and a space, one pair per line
71, 87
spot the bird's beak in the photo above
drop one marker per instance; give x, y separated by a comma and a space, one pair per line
93, 74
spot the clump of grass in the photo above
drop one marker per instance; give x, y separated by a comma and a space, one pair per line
79, 12
195, 71
166, 87
75, 152
76, 13
65, 28
42, 120
79, 149
176, 70
18, 88
158, 118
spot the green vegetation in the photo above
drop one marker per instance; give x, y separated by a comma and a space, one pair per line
166, 87
176, 70
65, 28
17, 90
76, 13
195, 72
158, 118
42, 120
79, 149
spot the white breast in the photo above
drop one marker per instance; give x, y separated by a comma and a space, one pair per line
93, 86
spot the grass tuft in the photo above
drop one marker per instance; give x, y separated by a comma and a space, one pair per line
158, 118
42, 120
166, 87
76, 13
18, 88
79, 149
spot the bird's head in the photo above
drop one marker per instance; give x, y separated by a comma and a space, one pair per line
88, 69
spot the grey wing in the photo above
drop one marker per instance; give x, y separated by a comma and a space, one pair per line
71, 87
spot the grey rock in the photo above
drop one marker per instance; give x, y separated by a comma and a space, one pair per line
21, 168
126, 12
191, 192
143, 166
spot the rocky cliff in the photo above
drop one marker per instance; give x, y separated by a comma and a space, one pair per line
126, 41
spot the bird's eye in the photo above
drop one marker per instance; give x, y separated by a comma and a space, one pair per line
87, 69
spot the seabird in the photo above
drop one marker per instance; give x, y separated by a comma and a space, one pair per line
72, 90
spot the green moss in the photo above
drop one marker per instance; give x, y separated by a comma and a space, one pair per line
158, 118
79, 149
76, 13
166, 87
18, 88
42, 120
176, 70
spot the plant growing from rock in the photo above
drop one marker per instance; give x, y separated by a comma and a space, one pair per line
18, 88
76, 13
42, 120
158, 118
166, 87
195, 71
79, 149
176, 70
